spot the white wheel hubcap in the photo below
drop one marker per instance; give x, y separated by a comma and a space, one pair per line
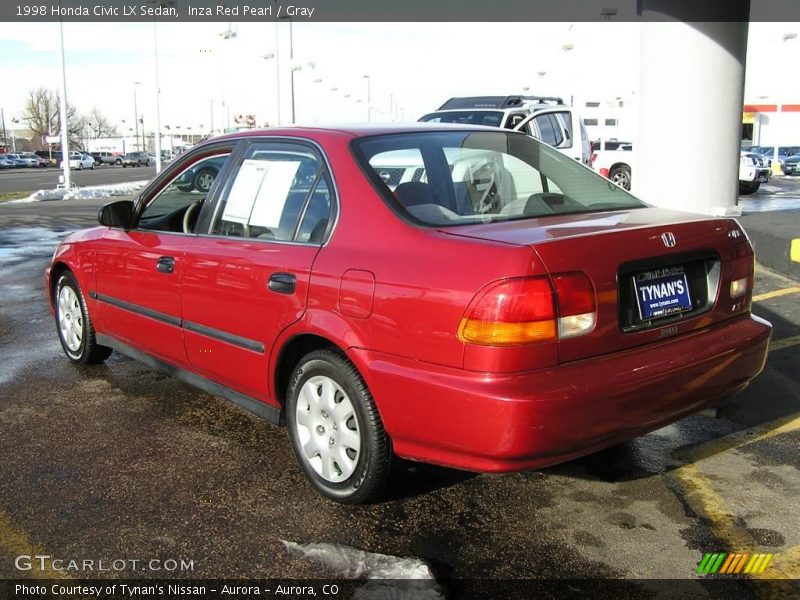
327, 429
70, 318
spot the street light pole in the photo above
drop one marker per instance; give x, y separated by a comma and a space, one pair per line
369, 97
158, 103
291, 62
136, 114
63, 106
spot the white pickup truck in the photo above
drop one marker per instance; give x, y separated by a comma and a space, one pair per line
617, 164
615, 161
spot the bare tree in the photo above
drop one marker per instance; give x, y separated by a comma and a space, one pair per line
42, 113
99, 125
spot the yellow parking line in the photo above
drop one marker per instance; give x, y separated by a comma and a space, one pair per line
784, 343
776, 293
741, 438
14, 543
794, 250
706, 503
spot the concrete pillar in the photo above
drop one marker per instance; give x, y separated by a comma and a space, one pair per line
690, 114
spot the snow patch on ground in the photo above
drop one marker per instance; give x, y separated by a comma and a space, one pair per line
392, 577
83, 193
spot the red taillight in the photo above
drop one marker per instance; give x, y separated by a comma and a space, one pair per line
604, 172
525, 310
593, 158
511, 312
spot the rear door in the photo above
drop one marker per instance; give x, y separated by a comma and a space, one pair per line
247, 280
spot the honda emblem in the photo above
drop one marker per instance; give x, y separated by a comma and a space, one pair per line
669, 239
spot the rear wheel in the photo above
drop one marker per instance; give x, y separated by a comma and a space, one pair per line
204, 180
335, 429
748, 187
75, 330
621, 175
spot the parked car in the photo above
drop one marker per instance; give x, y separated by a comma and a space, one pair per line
791, 165
322, 297
106, 158
5, 163
79, 161
36, 160
616, 162
545, 118
21, 161
136, 159
200, 177
753, 171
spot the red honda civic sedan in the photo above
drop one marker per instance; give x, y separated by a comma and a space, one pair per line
463, 296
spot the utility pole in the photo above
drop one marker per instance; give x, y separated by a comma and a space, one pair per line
5, 135
136, 114
369, 97
63, 106
158, 94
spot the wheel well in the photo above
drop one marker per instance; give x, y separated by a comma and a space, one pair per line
291, 353
55, 273
619, 165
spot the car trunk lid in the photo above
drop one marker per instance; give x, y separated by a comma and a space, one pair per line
623, 252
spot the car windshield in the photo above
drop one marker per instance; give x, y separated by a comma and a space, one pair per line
464, 177
491, 118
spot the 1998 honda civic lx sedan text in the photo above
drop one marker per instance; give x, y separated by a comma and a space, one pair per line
463, 296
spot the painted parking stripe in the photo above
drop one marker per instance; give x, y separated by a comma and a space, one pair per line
784, 343
14, 542
776, 293
794, 250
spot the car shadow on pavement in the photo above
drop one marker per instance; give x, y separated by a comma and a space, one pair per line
409, 479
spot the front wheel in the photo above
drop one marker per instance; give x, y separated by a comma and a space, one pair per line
335, 429
748, 187
80, 166
118, 162
75, 330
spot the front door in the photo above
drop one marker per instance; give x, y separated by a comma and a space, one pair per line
139, 270
248, 279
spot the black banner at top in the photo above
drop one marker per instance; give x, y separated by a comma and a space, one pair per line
399, 10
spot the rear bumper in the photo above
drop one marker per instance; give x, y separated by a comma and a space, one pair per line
508, 422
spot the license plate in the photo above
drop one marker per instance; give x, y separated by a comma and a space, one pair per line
762, 178
662, 292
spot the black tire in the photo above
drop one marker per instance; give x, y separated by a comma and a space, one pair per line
92, 166
124, 166
375, 454
118, 162
80, 166
201, 181
621, 175
748, 187
89, 352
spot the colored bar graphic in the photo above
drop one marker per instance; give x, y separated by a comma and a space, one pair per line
729, 564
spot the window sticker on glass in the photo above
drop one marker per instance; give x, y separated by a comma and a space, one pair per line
273, 193
244, 191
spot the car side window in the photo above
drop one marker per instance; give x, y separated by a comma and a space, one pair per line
189, 189
517, 118
280, 191
548, 130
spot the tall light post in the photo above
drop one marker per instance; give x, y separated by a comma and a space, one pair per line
228, 34
270, 56
778, 101
158, 103
369, 97
291, 61
63, 106
136, 114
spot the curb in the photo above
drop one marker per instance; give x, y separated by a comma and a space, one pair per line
776, 239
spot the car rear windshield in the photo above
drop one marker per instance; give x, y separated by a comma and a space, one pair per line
465, 177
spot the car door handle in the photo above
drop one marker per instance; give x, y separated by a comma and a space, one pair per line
165, 264
283, 283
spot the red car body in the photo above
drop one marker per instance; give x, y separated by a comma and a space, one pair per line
391, 295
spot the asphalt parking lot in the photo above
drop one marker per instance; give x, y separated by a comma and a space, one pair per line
30, 180
121, 461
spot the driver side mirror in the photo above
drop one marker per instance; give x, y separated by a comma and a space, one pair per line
116, 214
